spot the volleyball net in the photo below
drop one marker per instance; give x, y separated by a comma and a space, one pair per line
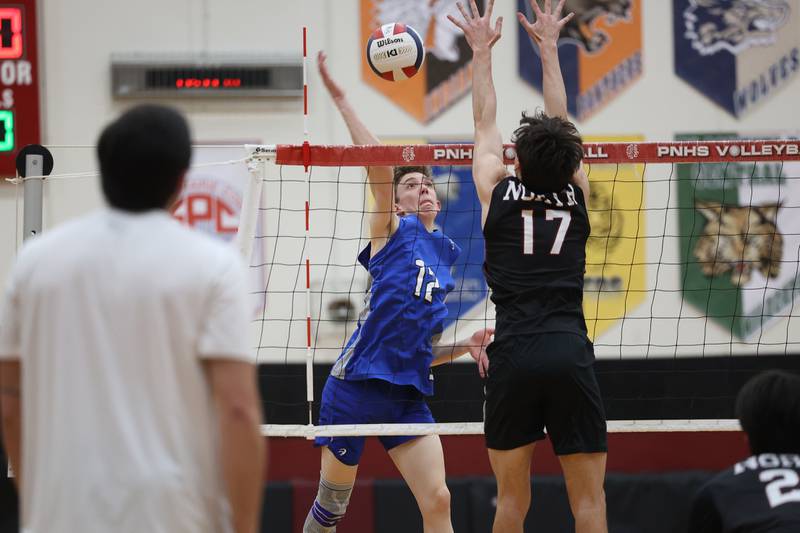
694, 253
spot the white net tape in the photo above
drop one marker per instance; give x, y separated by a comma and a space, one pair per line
476, 428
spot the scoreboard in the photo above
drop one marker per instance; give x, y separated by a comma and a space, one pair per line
19, 82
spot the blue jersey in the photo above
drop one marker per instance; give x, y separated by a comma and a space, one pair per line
404, 308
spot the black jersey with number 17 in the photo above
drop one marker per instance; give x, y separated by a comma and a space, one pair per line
535, 258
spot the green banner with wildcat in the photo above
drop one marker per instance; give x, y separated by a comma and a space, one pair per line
739, 239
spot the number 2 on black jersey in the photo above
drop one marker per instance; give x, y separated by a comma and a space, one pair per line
778, 479
550, 214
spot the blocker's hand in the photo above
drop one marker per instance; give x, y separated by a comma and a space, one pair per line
477, 349
477, 29
547, 25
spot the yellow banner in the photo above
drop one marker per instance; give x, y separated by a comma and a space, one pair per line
615, 252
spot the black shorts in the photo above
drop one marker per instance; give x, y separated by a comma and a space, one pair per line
544, 381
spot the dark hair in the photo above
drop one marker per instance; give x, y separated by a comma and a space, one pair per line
549, 150
143, 155
400, 172
768, 407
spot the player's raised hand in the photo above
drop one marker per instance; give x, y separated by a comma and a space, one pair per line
333, 88
477, 349
548, 23
478, 29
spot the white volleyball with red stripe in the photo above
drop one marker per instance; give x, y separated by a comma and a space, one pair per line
395, 51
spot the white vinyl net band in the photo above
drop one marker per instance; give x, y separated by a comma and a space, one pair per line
476, 428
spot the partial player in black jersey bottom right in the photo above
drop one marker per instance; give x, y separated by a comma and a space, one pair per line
762, 492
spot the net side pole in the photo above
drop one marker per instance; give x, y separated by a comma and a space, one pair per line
32, 196
245, 235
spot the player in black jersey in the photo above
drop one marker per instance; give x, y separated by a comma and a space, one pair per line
536, 226
761, 493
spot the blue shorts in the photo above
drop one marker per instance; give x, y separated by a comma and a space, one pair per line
371, 401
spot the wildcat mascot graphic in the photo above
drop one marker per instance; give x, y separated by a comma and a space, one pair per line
737, 240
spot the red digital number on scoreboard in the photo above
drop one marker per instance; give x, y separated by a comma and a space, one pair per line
10, 33
206, 83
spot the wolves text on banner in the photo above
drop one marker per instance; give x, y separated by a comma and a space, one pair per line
738, 53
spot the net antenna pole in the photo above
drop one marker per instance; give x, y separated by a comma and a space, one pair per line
307, 240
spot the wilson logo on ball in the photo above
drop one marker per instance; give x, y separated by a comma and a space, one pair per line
395, 52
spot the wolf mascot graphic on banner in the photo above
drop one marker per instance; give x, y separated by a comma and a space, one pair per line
582, 28
446, 74
600, 52
737, 52
739, 240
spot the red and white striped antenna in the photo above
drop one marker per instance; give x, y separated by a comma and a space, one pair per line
306, 165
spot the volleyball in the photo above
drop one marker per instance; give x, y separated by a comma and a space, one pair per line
395, 51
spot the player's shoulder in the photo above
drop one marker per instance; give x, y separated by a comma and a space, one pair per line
196, 241
577, 190
763, 461
411, 228
508, 188
706, 500
511, 188
51, 244
746, 472
510, 185
409, 223
199, 248
725, 478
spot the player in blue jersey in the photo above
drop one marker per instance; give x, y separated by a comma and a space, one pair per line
383, 373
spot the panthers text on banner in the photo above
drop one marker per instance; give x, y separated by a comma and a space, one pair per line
211, 202
739, 236
600, 52
737, 52
614, 283
446, 73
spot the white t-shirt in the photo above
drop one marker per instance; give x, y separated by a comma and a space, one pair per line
111, 316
